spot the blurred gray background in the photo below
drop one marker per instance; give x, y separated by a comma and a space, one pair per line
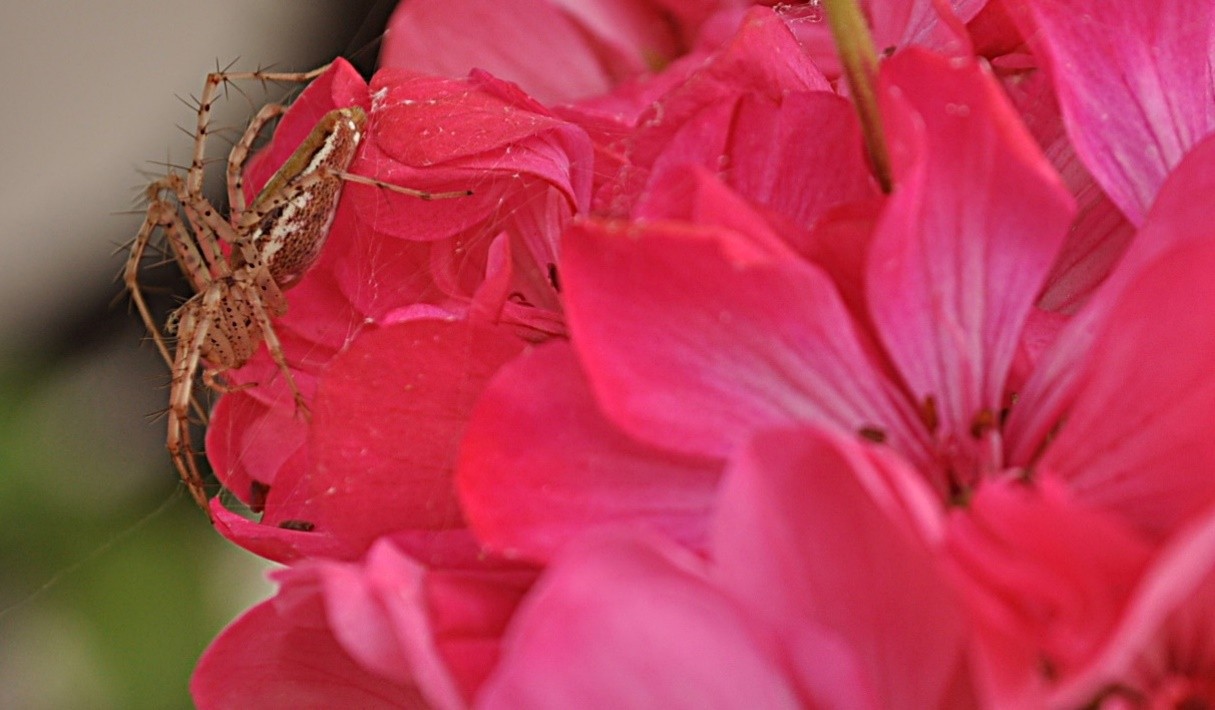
111, 581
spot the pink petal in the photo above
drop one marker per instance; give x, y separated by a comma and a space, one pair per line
1099, 234
1134, 82
693, 336
1181, 215
695, 122
803, 178
1152, 461
628, 622
249, 442
599, 43
539, 465
818, 531
963, 248
406, 622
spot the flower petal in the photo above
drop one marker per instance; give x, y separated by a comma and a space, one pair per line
964, 245
1136, 439
387, 423
599, 43
624, 621
820, 531
1134, 81
693, 335
539, 465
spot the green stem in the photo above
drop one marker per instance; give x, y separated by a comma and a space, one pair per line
859, 59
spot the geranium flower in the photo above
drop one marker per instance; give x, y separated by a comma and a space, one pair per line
702, 325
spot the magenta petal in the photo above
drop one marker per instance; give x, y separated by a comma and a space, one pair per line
268, 660
625, 622
539, 465
818, 531
693, 336
965, 244
1137, 437
387, 423
1135, 85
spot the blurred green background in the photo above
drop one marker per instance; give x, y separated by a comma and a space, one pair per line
111, 580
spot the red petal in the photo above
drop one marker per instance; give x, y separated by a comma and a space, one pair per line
539, 465
387, 423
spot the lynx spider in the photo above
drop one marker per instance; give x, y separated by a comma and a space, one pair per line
272, 243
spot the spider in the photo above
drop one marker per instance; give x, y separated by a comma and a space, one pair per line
271, 244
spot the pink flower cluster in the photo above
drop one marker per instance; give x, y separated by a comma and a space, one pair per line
679, 409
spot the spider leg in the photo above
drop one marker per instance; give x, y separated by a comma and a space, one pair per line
400, 189
215, 80
160, 215
259, 292
192, 331
240, 155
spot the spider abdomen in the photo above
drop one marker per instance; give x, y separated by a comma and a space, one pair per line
296, 208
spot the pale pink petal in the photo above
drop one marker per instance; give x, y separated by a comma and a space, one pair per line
599, 42
1134, 79
815, 531
625, 622
963, 248
539, 465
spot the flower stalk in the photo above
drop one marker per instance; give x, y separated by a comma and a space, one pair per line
859, 59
